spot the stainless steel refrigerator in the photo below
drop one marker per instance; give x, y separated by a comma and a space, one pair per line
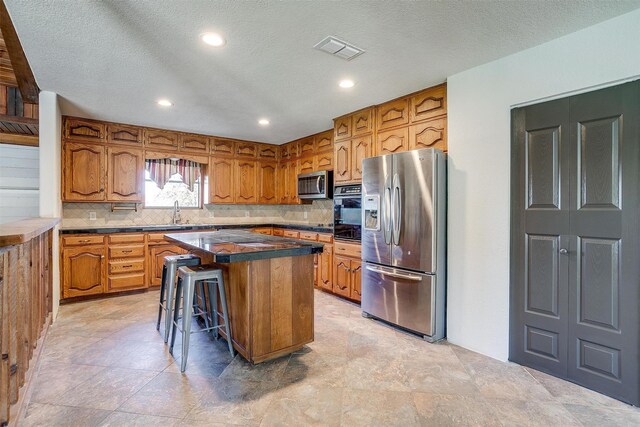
403, 240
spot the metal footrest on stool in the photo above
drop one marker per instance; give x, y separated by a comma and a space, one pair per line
188, 279
168, 285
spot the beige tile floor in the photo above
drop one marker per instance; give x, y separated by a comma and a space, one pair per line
105, 364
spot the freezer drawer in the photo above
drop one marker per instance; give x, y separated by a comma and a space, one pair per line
401, 297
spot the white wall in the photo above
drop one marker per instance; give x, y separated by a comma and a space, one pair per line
19, 182
50, 176
479, 103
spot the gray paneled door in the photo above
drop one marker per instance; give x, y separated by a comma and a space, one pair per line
575, 239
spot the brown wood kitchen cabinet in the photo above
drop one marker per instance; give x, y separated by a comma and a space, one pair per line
347, 270
125, 175
353, 142
245, 181
83, 173
84, 267
157, 253
221, 180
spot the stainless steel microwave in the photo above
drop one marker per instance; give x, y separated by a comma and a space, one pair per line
315, 185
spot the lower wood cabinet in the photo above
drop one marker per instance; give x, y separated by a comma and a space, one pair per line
342, 275
156, 261
325, 268
84, 270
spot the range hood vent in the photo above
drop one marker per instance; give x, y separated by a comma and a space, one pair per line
339, 48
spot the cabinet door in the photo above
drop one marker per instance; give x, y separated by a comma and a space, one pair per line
267, 182
84, 130
221, 147
324, 141
393, 141
325, 268
393, 113
356, 275
292, 177
123, 134
84, 271
306, 146
342, 128
429, 103
245, 173
282, 185
221, 183
306, 165
195, 143
431, 134
342, 275
84, 171
360, 149
125, 175
246, 149
156, 261
342, 161
362, 122
163, 139
266, 151
323, 161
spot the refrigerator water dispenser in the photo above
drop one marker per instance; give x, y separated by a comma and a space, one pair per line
371, 210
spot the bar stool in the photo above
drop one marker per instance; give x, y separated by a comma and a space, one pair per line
168, 285
188, 279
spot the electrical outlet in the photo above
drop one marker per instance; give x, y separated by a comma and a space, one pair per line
306, 214
92, 216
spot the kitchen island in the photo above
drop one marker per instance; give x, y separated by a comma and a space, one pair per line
269, 286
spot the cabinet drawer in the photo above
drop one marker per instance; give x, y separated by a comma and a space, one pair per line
291, 233
262, 230
156, 238
126, 252
126, 266
347, 249
126, 282
83, 240
126, 238
325, 238
278, 232
306, 235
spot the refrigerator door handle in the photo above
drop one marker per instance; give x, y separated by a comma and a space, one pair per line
397, 211
392, 274
386, 212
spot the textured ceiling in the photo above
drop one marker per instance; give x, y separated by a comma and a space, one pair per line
113, 59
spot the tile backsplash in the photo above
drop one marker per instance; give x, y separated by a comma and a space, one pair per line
319, 212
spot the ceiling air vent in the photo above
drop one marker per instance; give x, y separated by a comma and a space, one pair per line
339, 48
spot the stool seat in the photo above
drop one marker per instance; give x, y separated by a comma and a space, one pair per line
190, 277
167, 286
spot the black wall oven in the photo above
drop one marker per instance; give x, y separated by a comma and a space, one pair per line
347, 212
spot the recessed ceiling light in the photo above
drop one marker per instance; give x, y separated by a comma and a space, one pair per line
263, 122
213, 39
346, 83
165, 103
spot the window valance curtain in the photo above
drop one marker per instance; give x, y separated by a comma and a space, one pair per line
161, 170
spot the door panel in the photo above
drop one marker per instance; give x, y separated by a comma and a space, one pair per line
387, 289
376, 189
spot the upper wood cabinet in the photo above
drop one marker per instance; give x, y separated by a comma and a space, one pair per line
160, 139
282, 188
342, 128
123, 134
222, 147
429, 103
125, 175
266, 182
84, 130
342, 161
431, 134
323, 141
306, 165
361, 148
323, 161
193, 142
84, 173
245, 149
342, 275
306, 146
245, 181
267, 151
393, 113
221, 180
83, 271
393, 141
362, 122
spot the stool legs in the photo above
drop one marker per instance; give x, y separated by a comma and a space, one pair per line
170, 281
176, 313
225, 313
162, 298
187, 313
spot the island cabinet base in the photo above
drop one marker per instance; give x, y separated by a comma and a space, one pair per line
270, 305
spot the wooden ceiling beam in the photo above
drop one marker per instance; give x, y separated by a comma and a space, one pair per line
17, 139
24, 76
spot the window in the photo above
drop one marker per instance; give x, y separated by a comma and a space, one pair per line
174, 189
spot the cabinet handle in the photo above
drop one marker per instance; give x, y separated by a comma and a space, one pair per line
127, 266
101, 256
127, 251
101, 190
84, 241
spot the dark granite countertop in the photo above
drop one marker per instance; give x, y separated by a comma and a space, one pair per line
238, 245
169, 227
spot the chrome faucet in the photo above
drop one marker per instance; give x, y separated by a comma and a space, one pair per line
176, 213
